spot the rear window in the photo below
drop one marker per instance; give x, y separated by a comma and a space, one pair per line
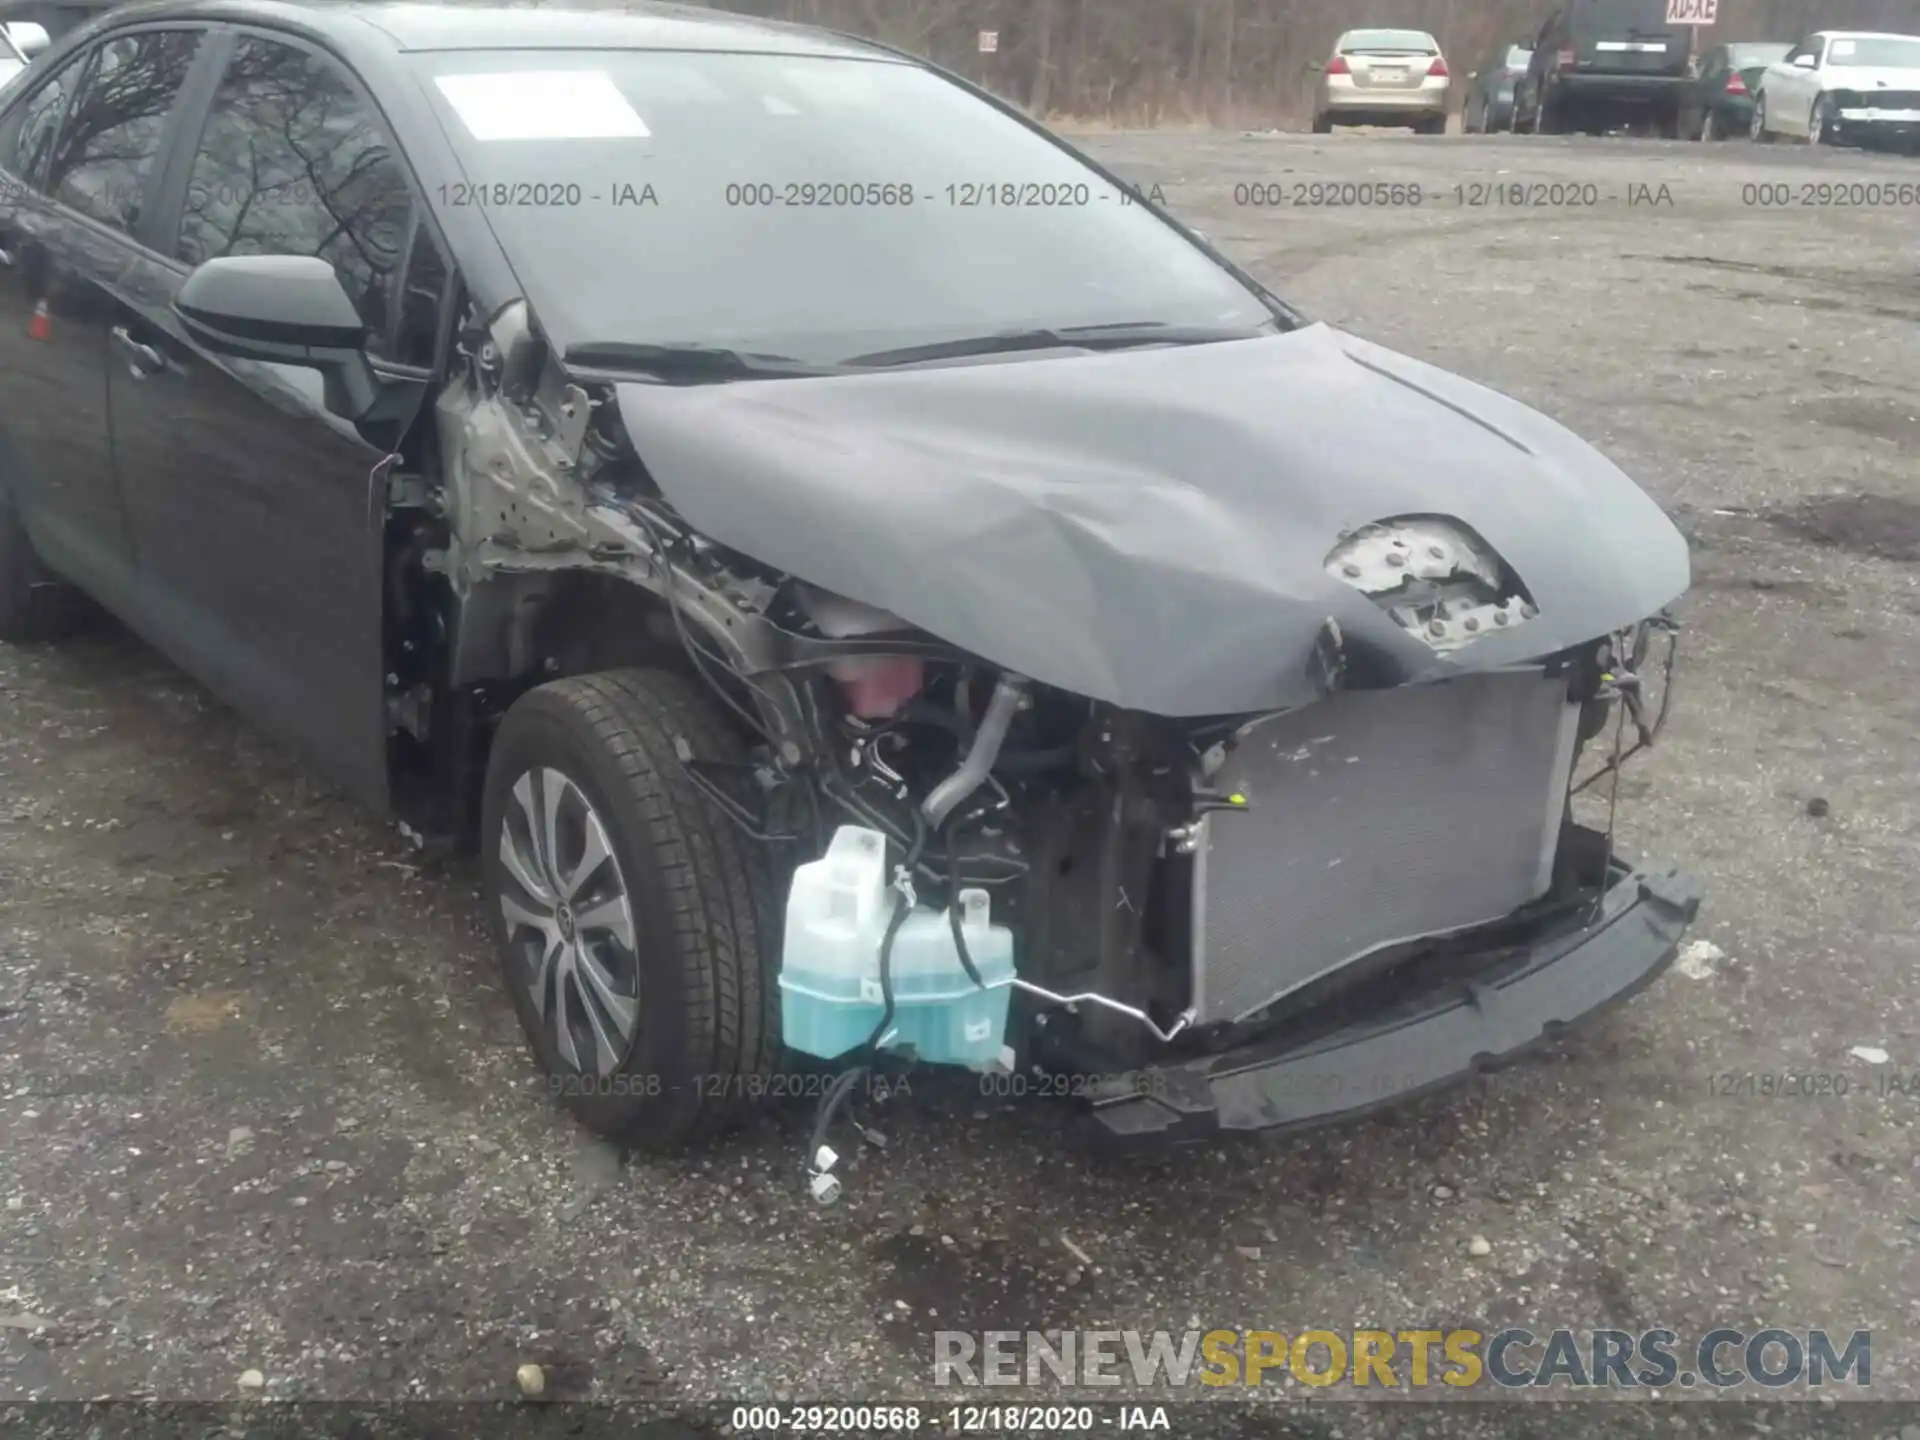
1518, 56
1741, 56
1896, 52
1621, 14
1414, 41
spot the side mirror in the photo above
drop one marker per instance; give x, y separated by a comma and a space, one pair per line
28, 37
289, 309
1803, 62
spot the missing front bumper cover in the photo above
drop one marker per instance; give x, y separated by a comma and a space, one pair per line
1532, 991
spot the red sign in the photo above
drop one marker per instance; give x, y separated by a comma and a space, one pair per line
1692, 12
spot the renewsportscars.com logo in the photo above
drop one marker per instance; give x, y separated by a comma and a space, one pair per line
1509, 1359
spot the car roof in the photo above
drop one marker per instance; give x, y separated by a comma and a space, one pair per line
574, 25
1860, 35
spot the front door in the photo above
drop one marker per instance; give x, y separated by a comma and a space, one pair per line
1791, 87
257, 511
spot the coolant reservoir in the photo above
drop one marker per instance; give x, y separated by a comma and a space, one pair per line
838, 910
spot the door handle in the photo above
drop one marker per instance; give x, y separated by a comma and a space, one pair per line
142, 360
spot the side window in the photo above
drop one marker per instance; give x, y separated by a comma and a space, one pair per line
109, 143
26, 137
294, 162
421, 289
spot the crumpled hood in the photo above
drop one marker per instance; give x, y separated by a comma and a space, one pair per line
1151, 527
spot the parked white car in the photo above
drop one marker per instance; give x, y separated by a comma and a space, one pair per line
1383, 77
14, 57
1843, 87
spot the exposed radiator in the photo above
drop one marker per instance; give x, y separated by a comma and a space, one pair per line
1376, 817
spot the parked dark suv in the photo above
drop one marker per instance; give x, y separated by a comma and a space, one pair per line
1598, 64
857, 573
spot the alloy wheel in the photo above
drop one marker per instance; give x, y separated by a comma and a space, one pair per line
569, 921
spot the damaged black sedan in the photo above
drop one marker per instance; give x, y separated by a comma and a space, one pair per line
867, 582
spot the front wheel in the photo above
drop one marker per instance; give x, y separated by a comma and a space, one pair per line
1758, 131
34, 605
1820, 121
631, 917
1709, 127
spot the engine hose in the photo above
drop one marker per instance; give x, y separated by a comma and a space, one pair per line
901, 909
831, 1104
835, 1099
1008, 696
953, 913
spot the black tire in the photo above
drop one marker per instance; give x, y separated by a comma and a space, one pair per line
1710, 131
1819, 120
1322, 125
34, 605
1759, 132
704, 918
1436, 125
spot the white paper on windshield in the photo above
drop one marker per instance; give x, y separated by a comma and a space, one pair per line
1842, 47
542, 105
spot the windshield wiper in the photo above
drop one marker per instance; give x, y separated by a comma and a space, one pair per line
689, 361
1117, 335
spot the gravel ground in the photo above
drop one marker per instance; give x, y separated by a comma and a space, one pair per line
266, 1109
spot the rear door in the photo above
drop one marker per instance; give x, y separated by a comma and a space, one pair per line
1627, 37
83, 154
258, 513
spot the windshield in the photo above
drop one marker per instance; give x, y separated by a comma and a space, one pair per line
1894, 52
797, 207
1416, 41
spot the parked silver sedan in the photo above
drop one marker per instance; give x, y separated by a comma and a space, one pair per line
1383, 77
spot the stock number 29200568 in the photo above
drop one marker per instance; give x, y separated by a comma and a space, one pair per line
825, 1419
